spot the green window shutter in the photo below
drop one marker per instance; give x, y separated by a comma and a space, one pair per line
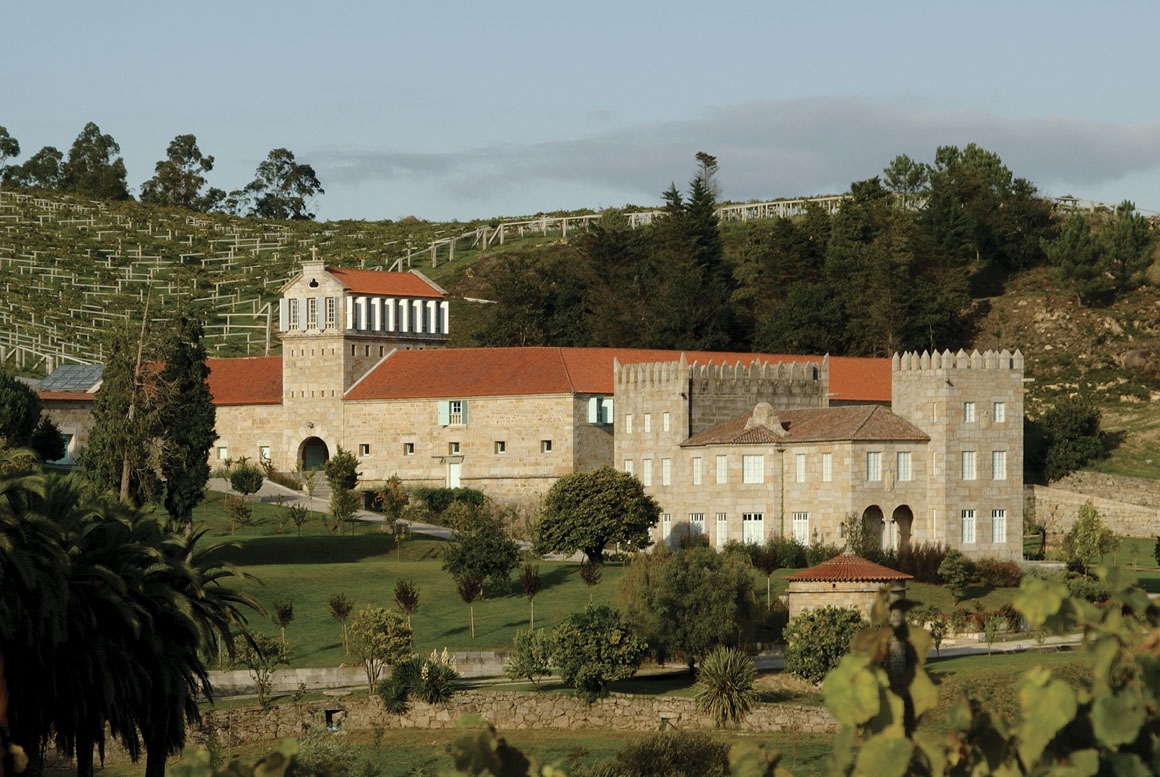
606, 410
593, 410
444, 412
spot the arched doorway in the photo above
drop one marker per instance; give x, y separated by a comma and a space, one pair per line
313, 453
873, 527
903, 520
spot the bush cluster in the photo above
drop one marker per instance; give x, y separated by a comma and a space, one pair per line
816, 640
437, 500
998, 574
431, 679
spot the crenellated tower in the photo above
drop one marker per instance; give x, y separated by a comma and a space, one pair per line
971, 406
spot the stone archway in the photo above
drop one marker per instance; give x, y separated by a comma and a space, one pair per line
313, 453
903, 520
873, 527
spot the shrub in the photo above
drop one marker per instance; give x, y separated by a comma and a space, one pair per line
1088, 539
437, 679
998, 574
790, 553
532, 657
437, 500
246, 479
394, 695
594, 648
1012, 617
956, 573
668, 754
725, 685
776, 619
1081, 587
816, 640
959, 620
816, 554
922, 561
329, 753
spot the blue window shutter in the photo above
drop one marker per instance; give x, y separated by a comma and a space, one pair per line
444, 412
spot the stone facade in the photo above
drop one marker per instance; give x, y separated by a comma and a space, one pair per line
1056, 510
942, 467
812, 594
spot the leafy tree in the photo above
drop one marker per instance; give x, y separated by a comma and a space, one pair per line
531, 656
9, 148
261, 655
341, 470
1129, 241
340, 609
591, 573
531, 583
726, 685
187, 418
1088, 539
636, 594
956, 573
539, 300
907, 180
469, 589
299, 515
22, 423
246, 479
343, 507
1078, 257
283, 188
42, 170
94, 168
764, 559
700, 599
283, 616
1071, 431
379, 637
178, 180
485, 553
407, 597
816, 640
392, 499
594, 648
587, 510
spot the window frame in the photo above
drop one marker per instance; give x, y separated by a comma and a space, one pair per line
903, 462
873, 466
968, 520
999, 465
970, 466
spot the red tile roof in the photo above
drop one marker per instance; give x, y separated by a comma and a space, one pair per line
468, 372
847, 568
857, 423
389, 284
67, 396
246, 381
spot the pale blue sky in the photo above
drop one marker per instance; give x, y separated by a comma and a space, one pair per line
461, 110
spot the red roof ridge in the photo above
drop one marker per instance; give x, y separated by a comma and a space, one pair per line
567, 372
847, 567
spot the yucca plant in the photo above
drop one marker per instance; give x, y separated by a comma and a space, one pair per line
725, 685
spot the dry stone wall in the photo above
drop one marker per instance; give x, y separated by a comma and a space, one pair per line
1056, 509
507, 711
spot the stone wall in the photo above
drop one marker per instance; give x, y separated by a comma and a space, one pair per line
1056, 509
1137, 491
507, 711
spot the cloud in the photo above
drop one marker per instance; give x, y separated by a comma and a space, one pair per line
765, 149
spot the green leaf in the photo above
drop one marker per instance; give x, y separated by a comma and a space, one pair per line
1117, 718
884, 756
748, 759
851, 691
1083, 763
923, 692
1039, 599
1047, 706
1129, 765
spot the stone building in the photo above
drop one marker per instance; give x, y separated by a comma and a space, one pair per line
846, 580
733, 446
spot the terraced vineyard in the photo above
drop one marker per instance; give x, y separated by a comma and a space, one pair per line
72, 271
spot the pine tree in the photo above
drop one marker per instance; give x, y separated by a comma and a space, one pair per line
187, 418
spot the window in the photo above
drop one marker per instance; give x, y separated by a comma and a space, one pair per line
696, 524
722, 530
722, 469
647, 423
646, 472
500, 446
874, 465
364, 449
752, 469
330, 310
600, 410
628, 423
801, 528
223, 453
264, 452
453, 449
696, 470
666, 472
903, 465
999, 412
968, 412
968, 527
66, 459
998, 465
293, 316
827, 467
666, 527
311, 313
751, 528
628, 466
408, 449
665, 422
999, 526
452, 412
968, 465
799, 467
545, 446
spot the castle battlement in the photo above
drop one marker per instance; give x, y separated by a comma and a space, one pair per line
784, 378
912, 361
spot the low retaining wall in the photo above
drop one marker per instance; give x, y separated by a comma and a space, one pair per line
507, 711
238, 681
1137, 491
1056, 509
